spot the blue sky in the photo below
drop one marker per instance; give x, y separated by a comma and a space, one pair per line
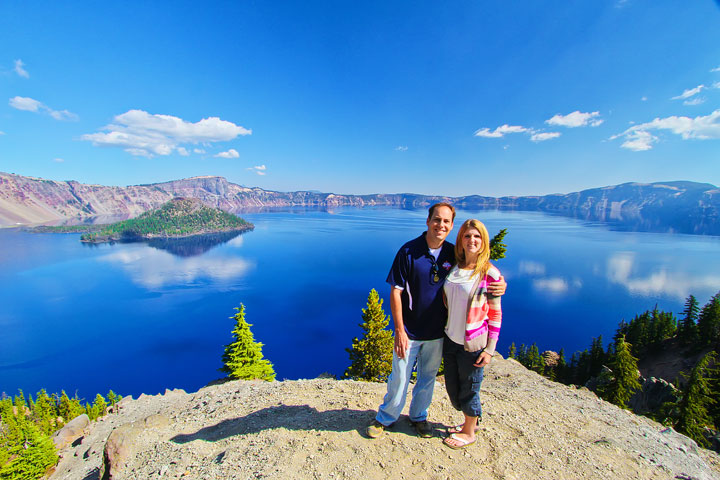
453, 98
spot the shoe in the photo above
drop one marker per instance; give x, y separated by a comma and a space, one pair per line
461, 443
375, 429
423, 428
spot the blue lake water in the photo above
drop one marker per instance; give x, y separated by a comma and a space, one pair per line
139, 318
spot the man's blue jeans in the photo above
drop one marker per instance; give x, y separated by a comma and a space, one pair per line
427, 354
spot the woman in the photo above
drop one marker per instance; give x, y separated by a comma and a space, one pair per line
472, 329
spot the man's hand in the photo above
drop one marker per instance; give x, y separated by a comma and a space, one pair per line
401, 343
497, 289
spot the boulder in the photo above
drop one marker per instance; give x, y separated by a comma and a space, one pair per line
72, 431
119, 450
653, 393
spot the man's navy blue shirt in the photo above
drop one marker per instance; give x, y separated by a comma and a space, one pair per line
424, 313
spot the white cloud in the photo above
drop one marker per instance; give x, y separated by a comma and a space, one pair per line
500, 131
695, 101
20, 70
401, 148
576, 119
25, 103
58, 160
198, 150
183, 151
259, 169
2, 133
31, 105
232, 153
644, 99
690, 92
144, 134
638, 136
541, 137
716, 69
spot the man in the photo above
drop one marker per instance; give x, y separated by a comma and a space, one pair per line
419, 316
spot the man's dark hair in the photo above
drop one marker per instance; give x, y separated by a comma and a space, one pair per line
432, 208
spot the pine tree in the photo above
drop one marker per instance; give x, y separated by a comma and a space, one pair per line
99, 407
243, 358
371, 355
27, 452
44, 413
709, 321
687, 330
497, 247
562, 367
625, 376
697, 399
513, 350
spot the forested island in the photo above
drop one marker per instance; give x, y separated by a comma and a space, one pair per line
178, 218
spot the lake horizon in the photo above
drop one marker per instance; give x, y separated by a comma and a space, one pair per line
138, 318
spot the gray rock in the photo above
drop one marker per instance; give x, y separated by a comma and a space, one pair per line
71, 431
652, 395
119, 450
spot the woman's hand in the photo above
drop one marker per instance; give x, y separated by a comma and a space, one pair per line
483, 359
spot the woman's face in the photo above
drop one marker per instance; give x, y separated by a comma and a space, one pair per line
471, 241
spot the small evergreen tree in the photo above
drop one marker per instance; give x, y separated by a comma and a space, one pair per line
709, 321
497, 247
625, 376
513, 350
371, 355
99, 407
696, 400
27, 452
243, 358
687, 330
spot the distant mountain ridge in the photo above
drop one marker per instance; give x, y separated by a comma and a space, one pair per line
677, 206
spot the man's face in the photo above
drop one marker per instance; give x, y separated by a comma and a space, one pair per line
440, 224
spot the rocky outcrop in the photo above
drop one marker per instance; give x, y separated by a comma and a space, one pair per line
653, 394
307, 429
685, 207
71, 431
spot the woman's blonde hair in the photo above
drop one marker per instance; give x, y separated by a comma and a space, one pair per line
483, 260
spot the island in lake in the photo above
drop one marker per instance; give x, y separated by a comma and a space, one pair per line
178, 218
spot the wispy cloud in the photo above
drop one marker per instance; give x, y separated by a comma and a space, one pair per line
144, 134
232, 153
2, 133
500, 131
695, 101
31, 105
542, 136
198, 150
576, 119
716, 69
638, 137
20, 70
401, 148
689, 92
644, 99
259, 169
58, 160
183, 151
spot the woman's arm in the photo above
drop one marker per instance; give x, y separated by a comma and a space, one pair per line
494, 323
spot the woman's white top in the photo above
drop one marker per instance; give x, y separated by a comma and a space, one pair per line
458, 287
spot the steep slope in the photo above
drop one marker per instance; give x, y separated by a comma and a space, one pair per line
685, 207
307, 429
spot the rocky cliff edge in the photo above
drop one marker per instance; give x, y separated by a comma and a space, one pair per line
532, 428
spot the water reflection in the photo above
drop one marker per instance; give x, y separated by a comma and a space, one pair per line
153, 268
191, 246
669, 280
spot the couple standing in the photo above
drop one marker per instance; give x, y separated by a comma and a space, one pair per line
442, 311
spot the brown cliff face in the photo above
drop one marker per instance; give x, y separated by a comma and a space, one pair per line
684, 207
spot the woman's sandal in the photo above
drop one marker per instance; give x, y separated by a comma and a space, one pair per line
461, 442
458, 428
